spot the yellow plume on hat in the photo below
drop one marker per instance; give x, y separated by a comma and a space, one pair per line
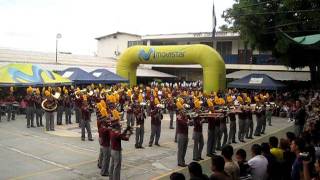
179, 105
248, 100
47, 93
216, 100
229, 99
256, 98
156, 101
197, 104
115, 114
29, 90
140, 98
103, 112
112, 98
38, 91
239, 98
103, 104
129, 93
222, 101
209, 102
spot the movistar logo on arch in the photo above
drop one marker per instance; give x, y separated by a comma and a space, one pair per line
152, 53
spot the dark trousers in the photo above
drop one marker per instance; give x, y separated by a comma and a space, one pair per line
60, 110
39, 113
232, 132
49, 121
106, 154
67, 111
115, 167
250, 129
171, 114
139, 136
155, 134
30, 116
85, 125
222, 132
182, 148
198, 144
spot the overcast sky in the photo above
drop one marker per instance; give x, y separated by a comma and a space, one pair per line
33, 24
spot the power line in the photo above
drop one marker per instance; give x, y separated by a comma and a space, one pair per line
280, 12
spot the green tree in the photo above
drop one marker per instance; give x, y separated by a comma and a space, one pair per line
263, 23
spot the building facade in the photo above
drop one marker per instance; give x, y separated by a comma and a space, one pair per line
228, 44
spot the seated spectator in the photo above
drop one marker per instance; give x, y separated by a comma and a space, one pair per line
258, 163
297, 146
230, 167
273, 165
277, 152
217, 167
177, 176
195, 171
241, 156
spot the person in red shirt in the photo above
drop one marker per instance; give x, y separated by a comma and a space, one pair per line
197, 134
116, 156
85, 120
182, 134
104, 140
156, 117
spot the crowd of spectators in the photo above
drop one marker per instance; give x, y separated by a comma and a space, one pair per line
296, 156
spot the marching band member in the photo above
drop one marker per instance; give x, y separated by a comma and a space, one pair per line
86, 119
233, 126
213, 131
249, 131
30, 107
78, 105
10, 100
60, 107
130, 115
156, 117
223, 127
242, 123
197, 133
67, 104
49, 104
171, 108
116, 156
264, 120
39, 111
259, 116
104, 140
140, 116
182, 134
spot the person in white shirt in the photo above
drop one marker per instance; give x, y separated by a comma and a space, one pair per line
258, 164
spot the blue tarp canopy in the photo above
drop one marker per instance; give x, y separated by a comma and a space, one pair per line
256, 81
108, 76
79, 76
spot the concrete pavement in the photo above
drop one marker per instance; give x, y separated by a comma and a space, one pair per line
32, 153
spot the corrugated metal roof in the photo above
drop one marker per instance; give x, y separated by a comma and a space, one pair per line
277, 75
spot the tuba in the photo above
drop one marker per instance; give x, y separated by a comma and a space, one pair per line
49, 106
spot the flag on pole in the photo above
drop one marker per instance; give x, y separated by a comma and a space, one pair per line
214, 22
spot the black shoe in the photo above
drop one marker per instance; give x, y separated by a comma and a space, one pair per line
90, 139
195, 160
257, 135
98, 166
201, 159
171, 127
157, 144
104, 174
262, 132
234, 142
270, 124
28, 126
141, 147
250, 137
33, 126
83, 139
182, 165
136, 146
150, 145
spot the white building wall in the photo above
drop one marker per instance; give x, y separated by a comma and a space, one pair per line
111, 44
